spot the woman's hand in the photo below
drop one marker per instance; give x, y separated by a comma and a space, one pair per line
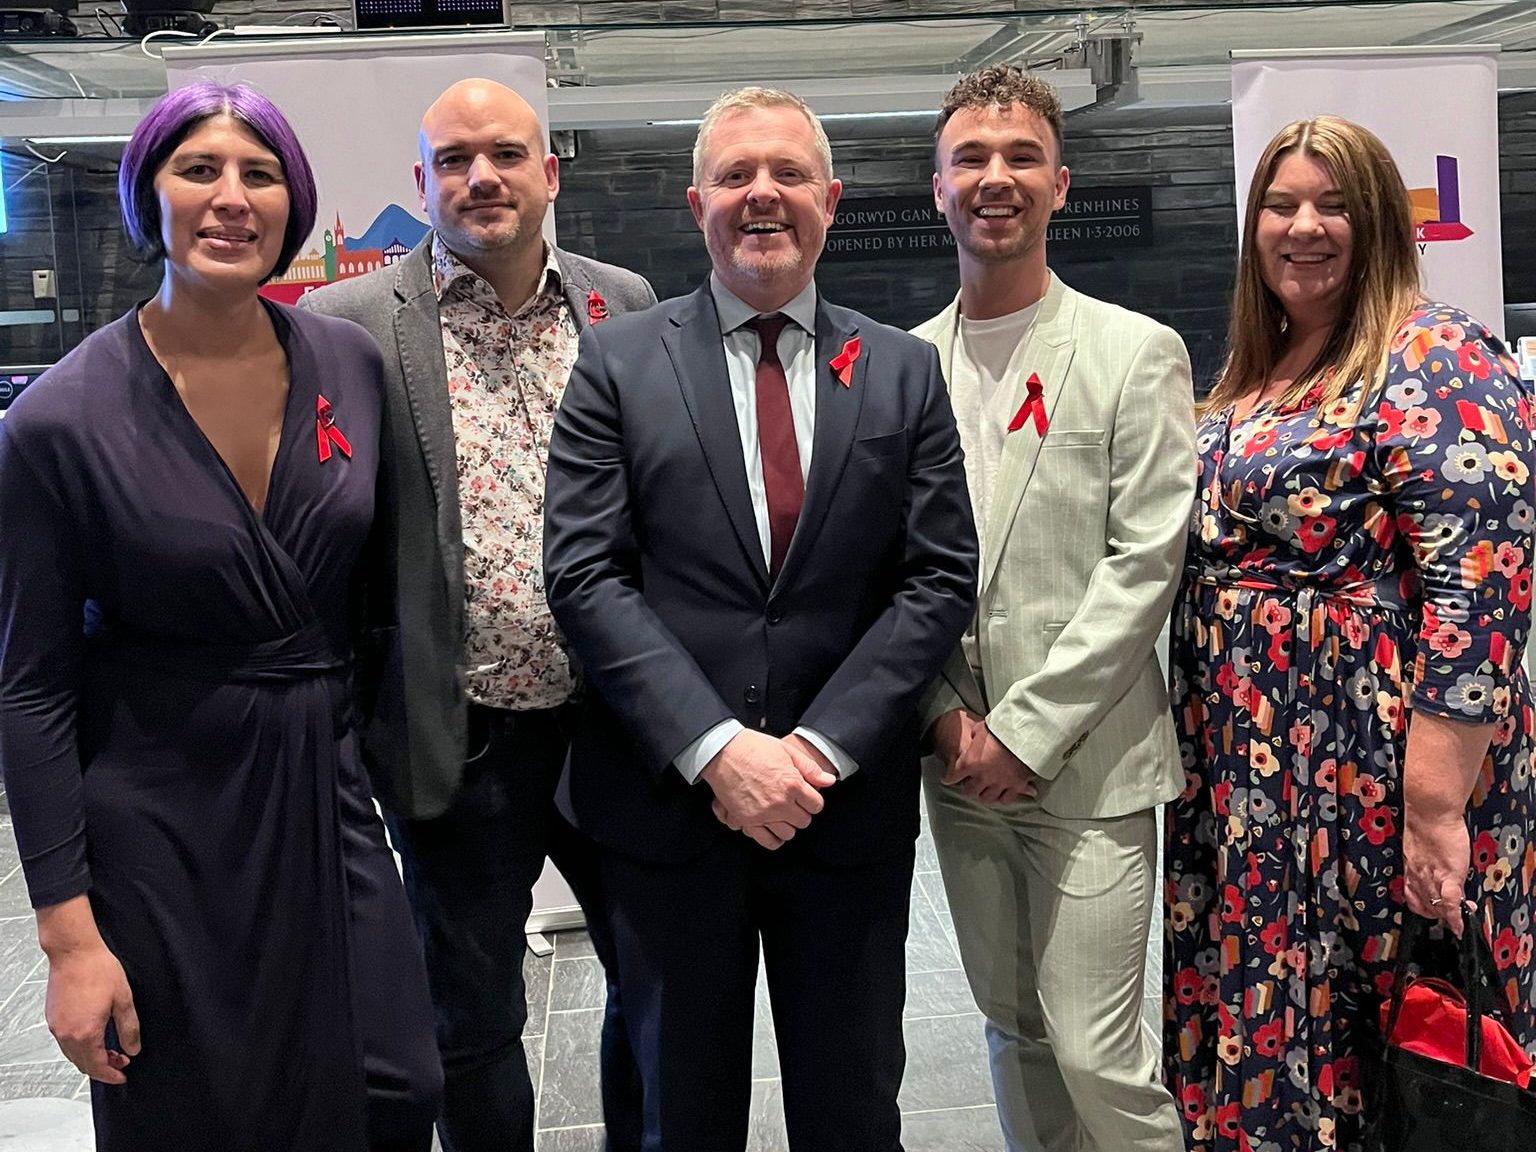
1438, 774
86, 988
1437, 854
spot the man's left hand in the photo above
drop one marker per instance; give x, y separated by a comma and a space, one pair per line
988, 773
816, 770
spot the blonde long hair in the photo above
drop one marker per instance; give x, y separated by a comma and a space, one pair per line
1383, 287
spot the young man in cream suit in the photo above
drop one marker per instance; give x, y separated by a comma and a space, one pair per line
1050, 726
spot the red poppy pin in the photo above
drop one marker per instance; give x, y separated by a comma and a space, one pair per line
597, 307
842, 363
1032, 408
326, 432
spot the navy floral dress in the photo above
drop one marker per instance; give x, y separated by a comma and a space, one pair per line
1342, 571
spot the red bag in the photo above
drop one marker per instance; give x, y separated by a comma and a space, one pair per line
1433, 1023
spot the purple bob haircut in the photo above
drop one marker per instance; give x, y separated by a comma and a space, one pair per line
171, 121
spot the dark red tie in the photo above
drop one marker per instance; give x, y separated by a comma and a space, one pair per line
782, 482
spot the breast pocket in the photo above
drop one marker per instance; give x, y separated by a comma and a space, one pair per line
1074, 438
880, 447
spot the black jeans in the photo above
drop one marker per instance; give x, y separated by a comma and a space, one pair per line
469, 875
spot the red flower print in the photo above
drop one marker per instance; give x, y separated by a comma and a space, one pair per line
1227, 679
1330, 441
1279, 654
1449, 640
1508, 559
1325, 1081
1274, 616
1448, 335
1231, 905
1470, 358
1504, 946
1259, 442
1221, 798
1186, 986
1370, 790
1523, 953
1520, 589
1267, 1040
1378, 825
1193, 1100
1485, 850
1420, 422
1316, 533
1272, 936
1227, 1118
1327, 775
1391, 422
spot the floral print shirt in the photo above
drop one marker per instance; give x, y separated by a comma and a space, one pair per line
506, 375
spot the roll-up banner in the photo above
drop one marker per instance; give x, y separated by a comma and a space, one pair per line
1447, 147
356, 104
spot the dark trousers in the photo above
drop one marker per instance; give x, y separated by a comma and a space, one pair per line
833, 942
469, 875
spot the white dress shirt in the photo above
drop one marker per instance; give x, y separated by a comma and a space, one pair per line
797, 353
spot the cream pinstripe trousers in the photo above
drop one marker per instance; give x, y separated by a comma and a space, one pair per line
1052, 918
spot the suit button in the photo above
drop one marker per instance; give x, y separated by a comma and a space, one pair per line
752, 695
774, 615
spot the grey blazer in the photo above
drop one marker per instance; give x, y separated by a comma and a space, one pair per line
410, 685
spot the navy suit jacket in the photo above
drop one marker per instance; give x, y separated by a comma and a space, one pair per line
655, 572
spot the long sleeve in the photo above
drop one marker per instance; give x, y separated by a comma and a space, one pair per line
41, 642
883, 679
1105, 645
592, 573
1454, 448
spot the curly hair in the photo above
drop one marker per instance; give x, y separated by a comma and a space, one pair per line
1001, 86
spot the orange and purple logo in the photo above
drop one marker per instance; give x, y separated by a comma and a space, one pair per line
1437, 210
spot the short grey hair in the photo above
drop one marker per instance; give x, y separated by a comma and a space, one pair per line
743, 99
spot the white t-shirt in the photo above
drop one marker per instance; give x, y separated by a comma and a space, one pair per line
985, 393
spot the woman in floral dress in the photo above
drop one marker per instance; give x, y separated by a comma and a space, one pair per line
1348, 689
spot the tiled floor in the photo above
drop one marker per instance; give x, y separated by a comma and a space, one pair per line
946, 1098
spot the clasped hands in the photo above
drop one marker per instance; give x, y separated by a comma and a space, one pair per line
768, 789
977, 762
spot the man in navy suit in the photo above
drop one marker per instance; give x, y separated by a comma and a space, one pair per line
759, 544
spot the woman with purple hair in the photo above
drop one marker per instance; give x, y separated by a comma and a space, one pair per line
184, 503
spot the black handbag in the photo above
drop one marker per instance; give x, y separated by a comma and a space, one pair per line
1426, 1105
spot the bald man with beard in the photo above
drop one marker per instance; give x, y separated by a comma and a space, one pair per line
466, 684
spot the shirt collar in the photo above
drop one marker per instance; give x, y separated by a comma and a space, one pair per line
734, 312
450, 273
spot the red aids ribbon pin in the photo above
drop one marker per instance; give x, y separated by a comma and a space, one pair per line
1032, 408
326, 432
842, 363
597, 307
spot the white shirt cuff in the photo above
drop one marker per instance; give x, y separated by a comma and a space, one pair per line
842, 763
696, 757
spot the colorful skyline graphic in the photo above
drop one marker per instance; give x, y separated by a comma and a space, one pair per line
391, 236
1437, 210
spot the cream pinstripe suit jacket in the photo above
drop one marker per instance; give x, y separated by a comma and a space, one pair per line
1080, 558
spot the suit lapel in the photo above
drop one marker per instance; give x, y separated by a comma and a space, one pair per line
424, 377
837, 415
1047, 354
698, 357
577, 290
